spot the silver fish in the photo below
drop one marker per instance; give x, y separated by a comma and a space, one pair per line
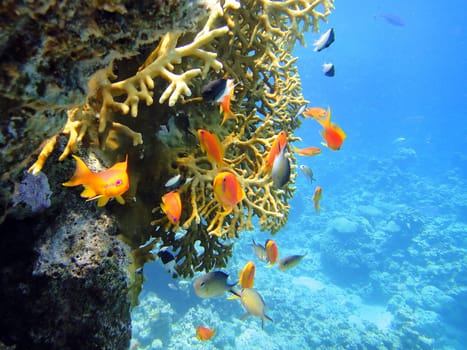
253, 304
281, 169
324, 40
300, 111
260, 251
306, 170
213, 284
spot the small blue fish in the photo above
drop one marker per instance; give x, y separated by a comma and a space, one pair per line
393, 19
281, 169
213, 90
290, 261
168, 261
329, 70
324, 40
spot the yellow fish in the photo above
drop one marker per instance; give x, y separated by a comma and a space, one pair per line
253, 304
110, 183
227, 190
316, 198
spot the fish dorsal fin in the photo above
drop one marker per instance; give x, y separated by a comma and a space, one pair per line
121, 165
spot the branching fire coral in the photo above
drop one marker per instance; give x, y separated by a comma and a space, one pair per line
251, 42
101, 99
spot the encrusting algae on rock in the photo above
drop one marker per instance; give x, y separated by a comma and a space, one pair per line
249, 43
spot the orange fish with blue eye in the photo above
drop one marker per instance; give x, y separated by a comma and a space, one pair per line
107, 184
246, 278
172, 206
279, 143
316, 198
225, 103
272, 251
212, 146
247, 275
308, 151
227, 190
204, 333
332, 133
315, 112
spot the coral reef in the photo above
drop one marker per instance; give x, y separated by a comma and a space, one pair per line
252, 43
72, 72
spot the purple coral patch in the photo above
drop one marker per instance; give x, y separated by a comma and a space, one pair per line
34, 190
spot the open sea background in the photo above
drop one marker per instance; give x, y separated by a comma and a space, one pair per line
386, 263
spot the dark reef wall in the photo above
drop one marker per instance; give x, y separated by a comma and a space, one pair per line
64, 280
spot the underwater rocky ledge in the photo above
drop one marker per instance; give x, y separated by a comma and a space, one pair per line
64, 281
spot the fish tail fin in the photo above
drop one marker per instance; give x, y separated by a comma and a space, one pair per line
226, 110
317, 208
235, 295
80, 175
228, 114
245, 316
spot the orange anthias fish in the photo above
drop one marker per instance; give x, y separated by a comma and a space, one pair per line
332, 133
272, 251
247, 275
227, 190
225, 101
315, 112
172, 206
279, 143
308, 151
317, 197
212, 146
110, 183
204, 333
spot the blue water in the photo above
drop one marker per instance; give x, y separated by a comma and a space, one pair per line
386, 264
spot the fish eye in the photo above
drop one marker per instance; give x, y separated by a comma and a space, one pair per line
202, 284
118, 182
